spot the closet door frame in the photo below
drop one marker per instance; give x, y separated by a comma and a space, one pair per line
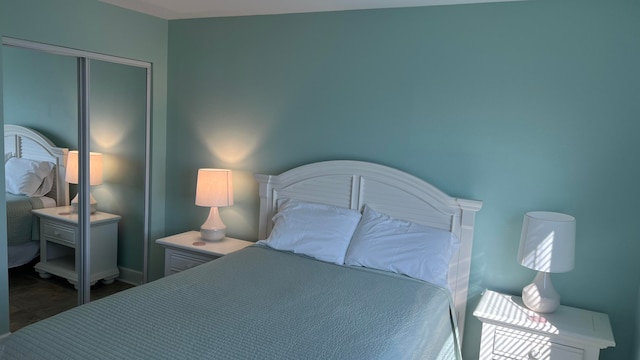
84, 61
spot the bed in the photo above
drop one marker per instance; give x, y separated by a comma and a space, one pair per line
33, 149
265, 302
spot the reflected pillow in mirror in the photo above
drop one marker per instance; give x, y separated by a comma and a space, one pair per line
25, 177
46, 186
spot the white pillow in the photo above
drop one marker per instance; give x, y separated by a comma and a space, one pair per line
320, 231
25, 177
46, 186
403, 247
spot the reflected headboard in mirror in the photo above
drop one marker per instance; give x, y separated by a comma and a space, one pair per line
23, 142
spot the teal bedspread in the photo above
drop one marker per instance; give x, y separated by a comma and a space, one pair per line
257, 303
20, 224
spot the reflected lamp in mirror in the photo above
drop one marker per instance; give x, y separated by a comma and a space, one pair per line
214, 189
547, 245
95, 176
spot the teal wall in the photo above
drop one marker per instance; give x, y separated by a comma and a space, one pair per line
102, 28
118, 124
41, 92
524, 105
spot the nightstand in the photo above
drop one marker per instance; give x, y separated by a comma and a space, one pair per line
186, 250
59, 234
511, 331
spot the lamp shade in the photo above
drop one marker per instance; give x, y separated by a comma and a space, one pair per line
547, 242
95, 168
214, 188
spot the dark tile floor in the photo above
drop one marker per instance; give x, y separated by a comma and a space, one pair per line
32, 299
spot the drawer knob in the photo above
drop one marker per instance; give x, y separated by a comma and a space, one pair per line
56, 233
534, 354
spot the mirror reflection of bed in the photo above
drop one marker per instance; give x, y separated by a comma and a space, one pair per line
35, 179
28, 156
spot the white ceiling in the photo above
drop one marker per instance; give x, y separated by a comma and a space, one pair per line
187, 9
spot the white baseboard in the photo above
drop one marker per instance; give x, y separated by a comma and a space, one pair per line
4, 335
130, 276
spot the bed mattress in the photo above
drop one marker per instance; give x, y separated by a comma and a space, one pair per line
257, 303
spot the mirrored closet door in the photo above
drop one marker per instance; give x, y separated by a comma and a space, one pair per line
117, 109
40, 112
95, 109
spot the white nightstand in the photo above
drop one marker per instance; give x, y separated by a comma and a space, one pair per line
186, 250
511, 331
59, 234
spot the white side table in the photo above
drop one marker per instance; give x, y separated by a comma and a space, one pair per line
186, 250
59, 234
511, 331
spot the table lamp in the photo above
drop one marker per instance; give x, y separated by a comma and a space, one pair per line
214, 188
547, 245
95, 176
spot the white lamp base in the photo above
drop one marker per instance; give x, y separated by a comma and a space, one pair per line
93, 204
540, 296
213, 228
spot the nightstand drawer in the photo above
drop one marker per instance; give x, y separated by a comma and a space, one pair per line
511, 331
58, 233
520, 345
186, 250
179, 260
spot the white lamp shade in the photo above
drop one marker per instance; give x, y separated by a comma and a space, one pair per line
547, 243
214, 188
95, 168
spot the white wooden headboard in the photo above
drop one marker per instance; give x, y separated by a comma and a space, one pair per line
352, 184
26, 143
